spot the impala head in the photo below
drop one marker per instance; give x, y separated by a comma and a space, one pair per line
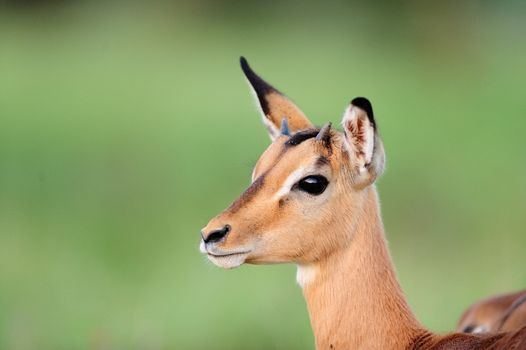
307, 181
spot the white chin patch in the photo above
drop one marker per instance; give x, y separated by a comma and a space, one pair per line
228, 262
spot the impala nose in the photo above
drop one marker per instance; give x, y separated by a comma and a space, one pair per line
216, 235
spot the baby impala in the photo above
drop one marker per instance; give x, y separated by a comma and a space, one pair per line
313, 202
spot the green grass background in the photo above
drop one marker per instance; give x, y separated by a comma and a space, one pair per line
126, 126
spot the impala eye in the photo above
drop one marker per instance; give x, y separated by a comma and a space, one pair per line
314, 185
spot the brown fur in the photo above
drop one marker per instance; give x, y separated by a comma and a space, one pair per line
248, 195
282, 107
506, 312
337, 240
515, 316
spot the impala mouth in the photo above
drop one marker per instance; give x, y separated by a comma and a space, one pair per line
218, 253
226, 260
226, 255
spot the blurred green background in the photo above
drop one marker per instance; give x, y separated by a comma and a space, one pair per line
126, 125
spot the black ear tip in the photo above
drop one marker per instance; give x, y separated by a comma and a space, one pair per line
244, 65
363, 103
262, 87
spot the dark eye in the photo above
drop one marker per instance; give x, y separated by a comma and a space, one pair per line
315, 184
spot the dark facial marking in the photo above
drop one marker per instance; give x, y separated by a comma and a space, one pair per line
248, 195
301, 136
261, 87
321, 161
363, 103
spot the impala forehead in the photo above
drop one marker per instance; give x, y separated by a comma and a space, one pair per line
289, 166
269, 157
298, 149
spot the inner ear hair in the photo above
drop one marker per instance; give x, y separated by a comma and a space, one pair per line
360, 134
362, 141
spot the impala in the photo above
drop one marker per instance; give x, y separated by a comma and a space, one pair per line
313, 202
501, 313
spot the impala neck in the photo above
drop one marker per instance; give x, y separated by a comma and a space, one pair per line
353, 296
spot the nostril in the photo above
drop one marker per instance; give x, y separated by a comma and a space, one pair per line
217, 235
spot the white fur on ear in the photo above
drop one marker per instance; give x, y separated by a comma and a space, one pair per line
359, 133
362, 142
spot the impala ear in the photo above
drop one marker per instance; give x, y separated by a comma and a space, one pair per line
363, 143
274, 106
